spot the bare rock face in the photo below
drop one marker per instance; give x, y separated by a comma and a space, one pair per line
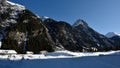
79, 37
3, 2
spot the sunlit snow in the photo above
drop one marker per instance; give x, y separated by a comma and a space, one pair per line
111, 34
15, 4
53, 55
62, 59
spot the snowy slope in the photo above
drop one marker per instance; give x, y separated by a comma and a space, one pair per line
57, 54
20, 7
112, 34
80, 62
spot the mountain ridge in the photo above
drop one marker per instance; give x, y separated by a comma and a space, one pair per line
112, 34
22, 30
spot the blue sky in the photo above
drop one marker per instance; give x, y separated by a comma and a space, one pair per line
101, 15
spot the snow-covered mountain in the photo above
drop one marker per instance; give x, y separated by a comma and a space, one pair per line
115, 37
92, 39
44, 18
112, 34
9, 12
78, 37
8, 15
22, 30
80, 22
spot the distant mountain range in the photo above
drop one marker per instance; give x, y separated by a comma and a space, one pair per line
21, 30
112, 34
115, 37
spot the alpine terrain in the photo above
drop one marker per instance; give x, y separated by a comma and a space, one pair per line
22, 30
115, 37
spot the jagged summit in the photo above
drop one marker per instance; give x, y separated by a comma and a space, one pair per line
44, 18
80, 22
112, 34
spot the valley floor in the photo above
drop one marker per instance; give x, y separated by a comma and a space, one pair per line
55, 55
108, 61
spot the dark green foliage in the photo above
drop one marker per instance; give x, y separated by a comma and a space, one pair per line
116, 40
37, 39
21, 27
39, 43
62, 34
11, 44
4, 16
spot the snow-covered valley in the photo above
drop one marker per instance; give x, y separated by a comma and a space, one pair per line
34, 41
55, 55
64, 59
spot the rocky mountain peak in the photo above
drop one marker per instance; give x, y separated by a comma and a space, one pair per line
80, 22
44, 18
22, 30
112, 34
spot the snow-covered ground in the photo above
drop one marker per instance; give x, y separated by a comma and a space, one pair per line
65, 60
57, 54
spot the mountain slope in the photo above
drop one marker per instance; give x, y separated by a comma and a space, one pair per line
112, 34
79, 37
93, 38
24, 30
21, 30
63, 35
115, 37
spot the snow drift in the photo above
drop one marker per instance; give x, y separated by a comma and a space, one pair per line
57, 54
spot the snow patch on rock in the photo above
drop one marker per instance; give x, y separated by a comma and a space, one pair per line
20, 7
44, 18
80, 22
